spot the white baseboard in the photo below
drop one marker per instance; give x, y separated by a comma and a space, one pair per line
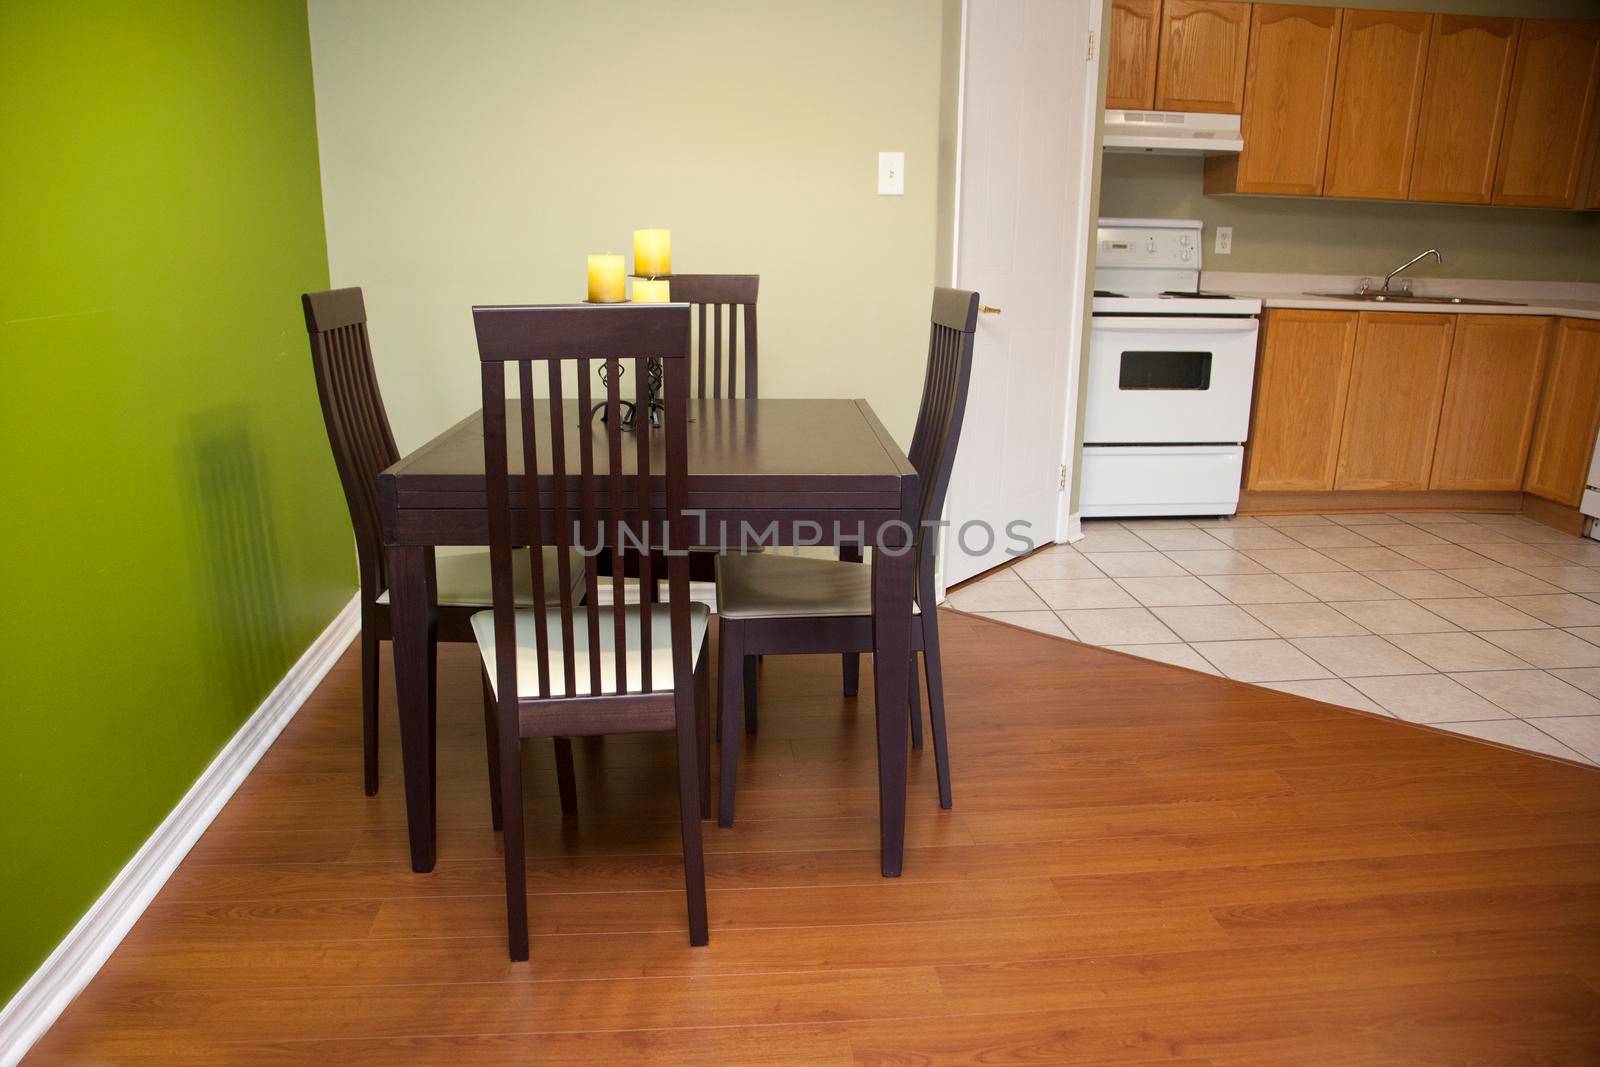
1074, 528
45, 995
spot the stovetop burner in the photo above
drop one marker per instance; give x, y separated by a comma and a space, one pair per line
1198, 294
1107, 292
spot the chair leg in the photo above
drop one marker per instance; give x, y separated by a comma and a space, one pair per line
566, 782
702, 730
370, 662
750, 665
510, 745
930, 663
730, 660
851, 661
491, 737
914, 704
689, 796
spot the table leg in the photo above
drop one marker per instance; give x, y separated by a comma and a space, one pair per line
413, 618
891, 648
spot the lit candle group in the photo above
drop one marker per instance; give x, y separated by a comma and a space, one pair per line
652, 267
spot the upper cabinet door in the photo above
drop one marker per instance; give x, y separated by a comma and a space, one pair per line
1463, 108
1544, 147
1375, 102
1288, 101
1203, 51
1135, 31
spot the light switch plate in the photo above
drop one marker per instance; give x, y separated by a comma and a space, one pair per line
1224, 240
891, 173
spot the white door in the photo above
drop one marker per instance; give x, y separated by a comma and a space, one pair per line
1029, 94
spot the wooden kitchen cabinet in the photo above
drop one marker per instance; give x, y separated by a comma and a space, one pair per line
1300, 398
1497, 366
1204, 44
1391, 418
1463, 108
1376, 99
1569, 414
1135, 31
1288, 104
1544, 148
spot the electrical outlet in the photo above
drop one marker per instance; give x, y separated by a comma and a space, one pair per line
1224, 240
891, 173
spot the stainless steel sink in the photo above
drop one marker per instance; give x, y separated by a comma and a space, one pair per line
1379, 297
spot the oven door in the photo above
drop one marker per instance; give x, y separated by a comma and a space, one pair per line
1155, 380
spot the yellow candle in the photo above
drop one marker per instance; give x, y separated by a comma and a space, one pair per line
652, 291
652, 253
605, 279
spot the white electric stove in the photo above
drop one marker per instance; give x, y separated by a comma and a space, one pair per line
1170, 374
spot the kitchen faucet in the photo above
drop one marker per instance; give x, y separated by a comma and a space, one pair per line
1434, 252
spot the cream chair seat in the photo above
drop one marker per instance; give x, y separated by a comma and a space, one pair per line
661, 668
776, 585
463, 579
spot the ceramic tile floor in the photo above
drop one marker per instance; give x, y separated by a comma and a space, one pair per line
1487, 625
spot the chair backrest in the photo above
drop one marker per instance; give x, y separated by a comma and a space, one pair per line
352, 411
727, 295
954, 323
630, 497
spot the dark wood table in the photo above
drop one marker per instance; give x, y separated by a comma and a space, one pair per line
796, 471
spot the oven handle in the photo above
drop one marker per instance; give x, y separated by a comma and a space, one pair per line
1172, 325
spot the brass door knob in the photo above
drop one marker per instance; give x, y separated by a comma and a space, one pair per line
985, 309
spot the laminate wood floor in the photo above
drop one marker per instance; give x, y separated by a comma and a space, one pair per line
1145, 864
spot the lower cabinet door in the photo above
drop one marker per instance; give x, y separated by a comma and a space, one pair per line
1300, 398
1397, 382
1569, 414
1491, 398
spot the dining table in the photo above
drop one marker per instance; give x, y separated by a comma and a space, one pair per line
779, 472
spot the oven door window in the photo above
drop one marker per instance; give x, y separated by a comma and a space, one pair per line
1165, 370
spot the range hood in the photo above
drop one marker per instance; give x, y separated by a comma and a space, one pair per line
1172, 133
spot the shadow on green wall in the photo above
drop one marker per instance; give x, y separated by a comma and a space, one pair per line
226, 487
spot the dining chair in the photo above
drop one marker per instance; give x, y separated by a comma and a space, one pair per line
558, 670
777, 604
363, 445
727, 298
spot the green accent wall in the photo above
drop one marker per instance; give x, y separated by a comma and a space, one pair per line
173, 534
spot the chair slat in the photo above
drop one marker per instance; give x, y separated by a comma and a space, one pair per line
642, 435
716, 350
563, 531
614, 525
588, 524
700, 337
530, 503
733, 350
750, 384
497, 486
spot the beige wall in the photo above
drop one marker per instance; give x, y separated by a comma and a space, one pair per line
1348, 237
474, 152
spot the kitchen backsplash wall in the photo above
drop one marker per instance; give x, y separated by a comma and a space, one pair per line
1314, 236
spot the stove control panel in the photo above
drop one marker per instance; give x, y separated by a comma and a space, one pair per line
1148, 243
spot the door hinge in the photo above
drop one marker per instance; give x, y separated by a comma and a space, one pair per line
1091, 45
1063, 482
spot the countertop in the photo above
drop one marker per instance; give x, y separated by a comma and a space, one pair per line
1574, 309
1578, 300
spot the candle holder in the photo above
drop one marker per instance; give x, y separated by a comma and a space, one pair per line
629, 411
